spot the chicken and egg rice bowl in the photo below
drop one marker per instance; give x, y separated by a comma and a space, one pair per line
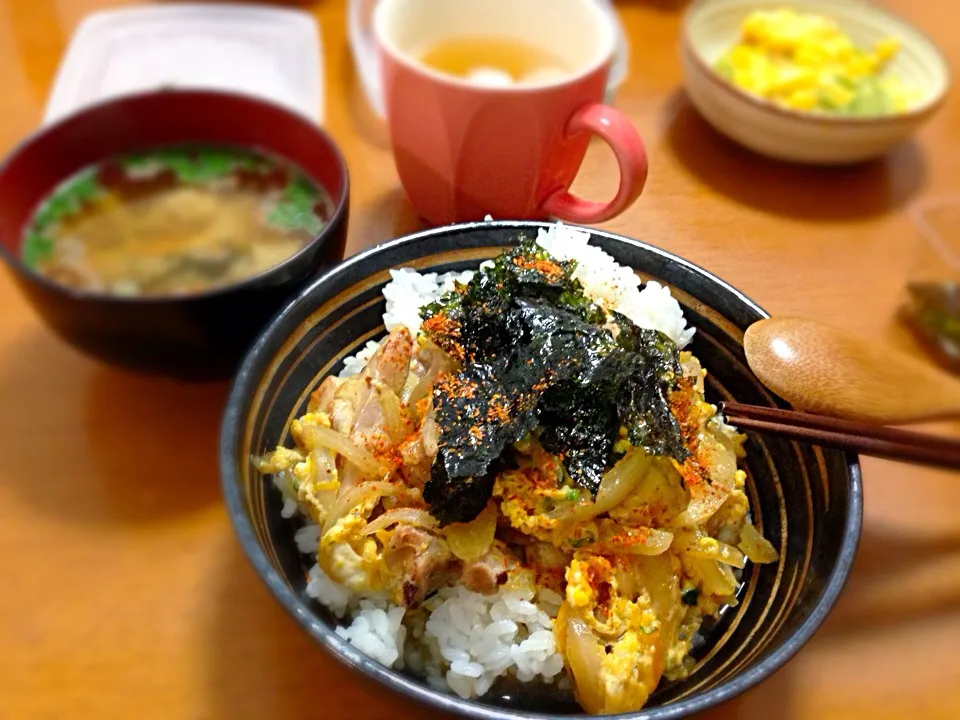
523, 482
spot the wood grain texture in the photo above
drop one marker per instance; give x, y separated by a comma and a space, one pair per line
125, 593
821, 369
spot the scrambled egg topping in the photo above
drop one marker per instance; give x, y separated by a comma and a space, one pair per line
621, 619
642, 573
805, 62
638, 564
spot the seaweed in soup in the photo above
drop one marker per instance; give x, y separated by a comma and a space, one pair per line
174, 220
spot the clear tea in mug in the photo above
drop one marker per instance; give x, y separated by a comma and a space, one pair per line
493, 60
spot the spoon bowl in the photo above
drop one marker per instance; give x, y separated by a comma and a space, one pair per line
823, 370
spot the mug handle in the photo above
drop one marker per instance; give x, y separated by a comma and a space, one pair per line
619, 133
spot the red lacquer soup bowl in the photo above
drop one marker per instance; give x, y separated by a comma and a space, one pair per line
196, 336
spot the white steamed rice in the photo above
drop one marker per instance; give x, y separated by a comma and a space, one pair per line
462, 641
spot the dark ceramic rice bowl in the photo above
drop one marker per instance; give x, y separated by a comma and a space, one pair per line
805, 499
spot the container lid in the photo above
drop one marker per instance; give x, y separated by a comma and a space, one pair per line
367, 62
271, 53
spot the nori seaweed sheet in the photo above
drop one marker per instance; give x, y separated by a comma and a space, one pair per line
538, 355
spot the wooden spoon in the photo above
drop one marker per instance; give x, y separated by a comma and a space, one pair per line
824, 370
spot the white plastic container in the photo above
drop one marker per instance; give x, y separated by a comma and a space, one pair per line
368, 66
268, 52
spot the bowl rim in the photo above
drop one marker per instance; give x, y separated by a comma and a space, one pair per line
232, 425
38, 135
916, 114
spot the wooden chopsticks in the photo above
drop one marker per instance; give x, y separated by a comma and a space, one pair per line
876, 440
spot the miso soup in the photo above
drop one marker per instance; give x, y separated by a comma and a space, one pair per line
173, 221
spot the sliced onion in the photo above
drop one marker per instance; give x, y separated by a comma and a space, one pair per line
433, 361
585, 653
347, 401
755, 546
621, 480
422, 388
324, 466
615, 487
647, 541
659, 578
408, 516
392, 412
472, 540
357, 496
707, 497
720, 459
705, 500
708, 548
323, 470
716, 578
359, 456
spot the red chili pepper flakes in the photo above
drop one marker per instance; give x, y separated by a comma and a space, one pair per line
423, 404
694, 470
410, 439
599, 570
445, 332
498, 409
603, 597
547, 268
397, 352
550, 577
455, 386
632, 536
382, 448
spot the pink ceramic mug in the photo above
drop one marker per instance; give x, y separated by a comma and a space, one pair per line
464, 150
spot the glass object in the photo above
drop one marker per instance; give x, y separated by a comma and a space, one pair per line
932, 309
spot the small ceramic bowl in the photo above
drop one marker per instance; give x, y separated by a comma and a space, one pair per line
711, 27
806, 500
196, 336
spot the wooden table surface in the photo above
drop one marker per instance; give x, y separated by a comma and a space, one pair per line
123, 592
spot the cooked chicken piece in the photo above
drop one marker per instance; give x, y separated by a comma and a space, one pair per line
370, 415
381, 411
348, 398
321, 399
416, 462
419, 564
418, 451
430, 435
369, 410
360, 402
486, 574
366, 407
391, 361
